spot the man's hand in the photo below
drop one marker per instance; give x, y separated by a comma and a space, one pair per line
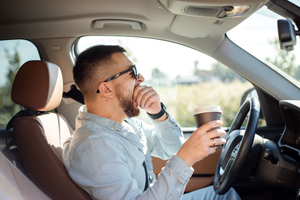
147, 99
200, 143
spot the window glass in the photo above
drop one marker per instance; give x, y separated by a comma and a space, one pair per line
259, 36
183, 77
13, 53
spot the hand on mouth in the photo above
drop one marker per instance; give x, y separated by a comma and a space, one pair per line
147, 99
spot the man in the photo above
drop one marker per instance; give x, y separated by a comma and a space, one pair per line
109, 155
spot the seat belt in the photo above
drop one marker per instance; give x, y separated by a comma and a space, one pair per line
146, 175
21, 113
145, 168
75, 94
6, 150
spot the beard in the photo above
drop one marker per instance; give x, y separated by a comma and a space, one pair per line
126, 102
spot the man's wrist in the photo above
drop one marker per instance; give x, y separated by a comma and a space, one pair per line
159, 115
186, 160
162, 118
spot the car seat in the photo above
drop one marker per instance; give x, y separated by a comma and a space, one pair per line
39, 131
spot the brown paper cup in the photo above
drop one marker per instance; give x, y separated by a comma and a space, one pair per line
206, 114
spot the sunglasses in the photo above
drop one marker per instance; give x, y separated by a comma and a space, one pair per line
133, 68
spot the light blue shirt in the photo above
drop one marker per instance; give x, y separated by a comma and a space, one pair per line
105, 158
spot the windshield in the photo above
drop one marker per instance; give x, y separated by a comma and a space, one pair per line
259, 36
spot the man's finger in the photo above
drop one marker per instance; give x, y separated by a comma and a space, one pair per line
147, 98
216, 133
215, 142
210, 125
136, 90
141, 92
151, 99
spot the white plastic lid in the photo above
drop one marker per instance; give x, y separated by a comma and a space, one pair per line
210, 108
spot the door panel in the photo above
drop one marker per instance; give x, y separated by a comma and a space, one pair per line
204, 171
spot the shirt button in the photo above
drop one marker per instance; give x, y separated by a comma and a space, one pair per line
112, 128
124, 134
177, 189
186, 173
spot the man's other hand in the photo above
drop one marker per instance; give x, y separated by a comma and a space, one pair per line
200, 143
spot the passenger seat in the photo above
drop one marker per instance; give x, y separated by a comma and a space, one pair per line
40, 131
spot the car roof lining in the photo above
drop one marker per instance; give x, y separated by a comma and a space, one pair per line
58, 19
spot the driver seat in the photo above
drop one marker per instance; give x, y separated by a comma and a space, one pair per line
39, 134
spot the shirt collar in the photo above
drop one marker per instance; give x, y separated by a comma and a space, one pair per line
105, 122
111, 125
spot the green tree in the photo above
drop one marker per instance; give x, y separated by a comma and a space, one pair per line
225, 75
156, 73
7, 106
284, 60
196, 69
200, 72
14, 65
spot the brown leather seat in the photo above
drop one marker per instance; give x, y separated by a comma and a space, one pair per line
38, 86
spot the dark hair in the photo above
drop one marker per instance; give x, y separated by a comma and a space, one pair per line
91, 64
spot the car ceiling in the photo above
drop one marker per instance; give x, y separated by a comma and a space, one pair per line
35, 19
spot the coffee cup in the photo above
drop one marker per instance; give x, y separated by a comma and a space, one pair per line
206, 114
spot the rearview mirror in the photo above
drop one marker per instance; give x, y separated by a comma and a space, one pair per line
286, 34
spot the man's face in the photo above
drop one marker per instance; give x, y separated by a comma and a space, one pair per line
126, 102
125, 85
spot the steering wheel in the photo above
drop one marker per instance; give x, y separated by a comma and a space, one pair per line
236, 150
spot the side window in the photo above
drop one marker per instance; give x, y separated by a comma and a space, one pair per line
13, 53
183, 77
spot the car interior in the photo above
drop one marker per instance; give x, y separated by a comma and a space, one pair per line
39, 42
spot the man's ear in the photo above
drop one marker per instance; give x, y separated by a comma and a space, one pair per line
106, 90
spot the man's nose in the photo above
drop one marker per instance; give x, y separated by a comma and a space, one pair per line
140, 79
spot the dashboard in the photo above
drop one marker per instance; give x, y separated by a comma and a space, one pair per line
289, 142
277, 164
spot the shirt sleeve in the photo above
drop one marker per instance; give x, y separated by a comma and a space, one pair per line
171, 181
105, 175
163, 138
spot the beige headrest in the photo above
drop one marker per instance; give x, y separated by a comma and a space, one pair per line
38, 86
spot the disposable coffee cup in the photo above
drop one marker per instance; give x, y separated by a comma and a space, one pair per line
206, 114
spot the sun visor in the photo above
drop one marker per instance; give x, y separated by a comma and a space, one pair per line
193, 27
212, 8
200, 18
